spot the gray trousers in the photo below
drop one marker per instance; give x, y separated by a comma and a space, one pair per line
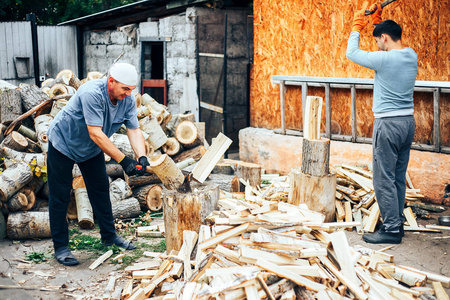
391, 142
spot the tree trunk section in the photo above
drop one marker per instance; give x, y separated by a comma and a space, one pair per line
316, 157
149, 197
250, 172
57, 90
187, 211
17, 202
317, 192
126, 208
15, 141
28, 225
27, 132
166, 169
72, 213
188, 135
113, 169
119, 190
32, 96
11, 106
16, 176
157, 137
172, 146
196, 153
37, 159
31, 198
62, 80
57, 106
137, 181
84, 209
41, 124
122, 142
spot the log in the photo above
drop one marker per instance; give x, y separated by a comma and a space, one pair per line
36, 184
42, 123
171, 147
157, 137
187, 211
72, 213
57, 106
27, 132
157, 109
137, 181
73, 80
316, 157
11, 106
2, 226
318, 193
18, 201
30, 195
122, 143
119, 190
113, 169
31, 96
165, 168
17, 175
15, 141
126, 208
32, 146
250, 172
84, 209
195, 153
149, 196
36, 159
28, 225
58, 90
49, 83
188, 135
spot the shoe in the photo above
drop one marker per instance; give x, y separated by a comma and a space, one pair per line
65, 257
383, 237
120, 242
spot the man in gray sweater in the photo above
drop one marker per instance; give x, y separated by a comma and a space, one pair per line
395, 69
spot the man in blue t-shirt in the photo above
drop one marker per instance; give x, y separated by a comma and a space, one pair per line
80, 134
393, 106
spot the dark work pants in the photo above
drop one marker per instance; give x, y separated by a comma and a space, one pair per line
391, 143
59, 168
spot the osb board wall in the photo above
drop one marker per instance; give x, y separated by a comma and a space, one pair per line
309, 38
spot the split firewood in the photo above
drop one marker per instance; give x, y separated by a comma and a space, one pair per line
57, 106
149, 196
101, 259
157, 137
30, 224
73, 80
11, 107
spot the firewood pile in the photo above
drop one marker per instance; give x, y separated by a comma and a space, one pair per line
252, 248
27, 112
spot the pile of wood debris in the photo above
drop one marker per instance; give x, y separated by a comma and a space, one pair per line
252, 249
25, 144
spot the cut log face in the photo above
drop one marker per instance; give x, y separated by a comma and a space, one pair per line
15, 141
11, 106
42, 123
149, 196
17, 175
187, 211
172, 146
28, 225
32, 95
187, 134
157, 137
126, 208
316, 157
84, 209
17, 202
57, 90
166, 169
31, 198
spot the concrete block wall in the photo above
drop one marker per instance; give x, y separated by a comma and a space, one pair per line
278, 153
101, 49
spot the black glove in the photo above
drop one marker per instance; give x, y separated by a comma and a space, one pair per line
129, 166
143, 161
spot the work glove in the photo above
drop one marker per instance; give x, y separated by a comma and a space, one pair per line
376, 16
130, 166
358, 20
143, 161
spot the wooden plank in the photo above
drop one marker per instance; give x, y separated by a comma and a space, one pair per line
212, 156
101, 259
251, 291
373, 218
437, 227
282, 272
211, 107
409, 215
224, 236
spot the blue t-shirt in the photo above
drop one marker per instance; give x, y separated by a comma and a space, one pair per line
90, 105
395, 75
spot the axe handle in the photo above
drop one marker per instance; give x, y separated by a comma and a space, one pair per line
383, 4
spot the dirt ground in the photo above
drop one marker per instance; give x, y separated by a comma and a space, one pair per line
424, 251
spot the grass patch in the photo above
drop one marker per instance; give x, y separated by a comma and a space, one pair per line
37, 257
134, 255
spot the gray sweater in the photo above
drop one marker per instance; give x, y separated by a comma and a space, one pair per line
395, 76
